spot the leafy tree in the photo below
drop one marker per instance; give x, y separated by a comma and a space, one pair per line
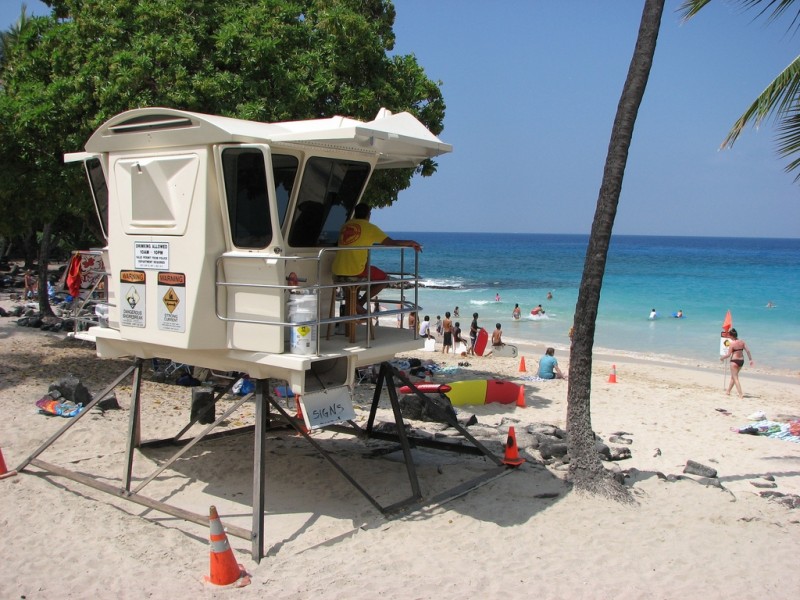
781, 98
585, 469
265, 60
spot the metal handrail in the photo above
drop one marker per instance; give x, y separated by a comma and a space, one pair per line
402, 279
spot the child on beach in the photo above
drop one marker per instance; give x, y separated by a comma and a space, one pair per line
497, 336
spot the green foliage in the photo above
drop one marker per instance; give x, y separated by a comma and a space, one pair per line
264, 60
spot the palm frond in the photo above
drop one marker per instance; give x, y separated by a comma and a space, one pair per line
690, 8
789, 140
778, 8
773, 9
780, 99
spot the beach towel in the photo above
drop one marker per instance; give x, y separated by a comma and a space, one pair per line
771, 429
49, 406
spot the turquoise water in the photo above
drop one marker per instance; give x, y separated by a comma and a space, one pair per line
703, 277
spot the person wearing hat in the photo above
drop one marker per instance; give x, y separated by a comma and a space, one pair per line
736, 350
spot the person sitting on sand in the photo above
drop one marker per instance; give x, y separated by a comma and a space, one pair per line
459, 338
497, 336
548, 366
425, 328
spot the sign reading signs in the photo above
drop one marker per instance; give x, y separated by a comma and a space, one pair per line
172, 302
151, 255
327, 407
132, 288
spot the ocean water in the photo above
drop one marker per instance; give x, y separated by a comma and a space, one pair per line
703, 277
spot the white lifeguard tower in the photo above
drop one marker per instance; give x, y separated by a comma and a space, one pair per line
217, 227
220, 238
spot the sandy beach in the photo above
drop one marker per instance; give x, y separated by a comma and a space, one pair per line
524, 534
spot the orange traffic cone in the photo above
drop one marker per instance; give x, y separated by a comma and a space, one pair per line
512, 457
613, 377
521, 396
224, 568
4, 472
522, 365
299, 414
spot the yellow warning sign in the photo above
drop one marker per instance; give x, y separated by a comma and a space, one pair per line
171, 300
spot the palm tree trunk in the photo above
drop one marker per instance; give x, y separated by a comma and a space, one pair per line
586, 470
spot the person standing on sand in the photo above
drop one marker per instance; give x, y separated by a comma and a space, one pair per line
473, 333
736, 351
30, 285
447, 333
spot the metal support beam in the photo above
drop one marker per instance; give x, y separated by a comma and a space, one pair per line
263, 401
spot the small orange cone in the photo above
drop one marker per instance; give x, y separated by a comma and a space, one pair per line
521, 397
522, 364
4, 472
613, 377
299, 414
224, 568
512, 457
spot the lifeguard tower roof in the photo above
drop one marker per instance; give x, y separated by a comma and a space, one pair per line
399, 140
221, 233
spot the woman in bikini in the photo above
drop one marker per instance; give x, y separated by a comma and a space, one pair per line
736, 350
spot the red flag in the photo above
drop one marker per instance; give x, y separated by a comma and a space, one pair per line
74, 276
724, 338
728, 322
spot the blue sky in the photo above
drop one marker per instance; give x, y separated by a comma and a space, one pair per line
531, 89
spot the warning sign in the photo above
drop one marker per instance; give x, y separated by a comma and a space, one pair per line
172, 305
132, 309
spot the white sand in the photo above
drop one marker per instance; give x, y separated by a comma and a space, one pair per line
507, 539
